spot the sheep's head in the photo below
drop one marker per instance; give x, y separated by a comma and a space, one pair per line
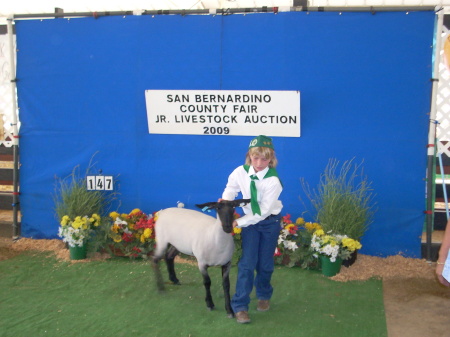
225, 211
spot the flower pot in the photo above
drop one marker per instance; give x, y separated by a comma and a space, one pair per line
286, 260
77, 252
347, 263
330, 268
114, 251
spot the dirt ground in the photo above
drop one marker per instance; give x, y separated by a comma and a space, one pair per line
416, 305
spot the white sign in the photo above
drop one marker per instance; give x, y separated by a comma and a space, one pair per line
224, 112
100, 183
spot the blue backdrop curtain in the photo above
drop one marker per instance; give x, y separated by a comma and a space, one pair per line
365, 94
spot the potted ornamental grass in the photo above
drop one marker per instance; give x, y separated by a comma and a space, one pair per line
343, 202
80, 213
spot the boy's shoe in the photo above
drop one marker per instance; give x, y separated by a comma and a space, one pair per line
263, 305
242, 317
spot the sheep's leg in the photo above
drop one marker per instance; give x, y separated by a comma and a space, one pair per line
157, 256
226, 288
207, 284
171, 253
157, 271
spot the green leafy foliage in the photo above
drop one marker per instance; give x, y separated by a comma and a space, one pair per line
344, 199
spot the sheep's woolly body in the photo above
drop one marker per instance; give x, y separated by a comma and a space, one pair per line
194, 233
203, 236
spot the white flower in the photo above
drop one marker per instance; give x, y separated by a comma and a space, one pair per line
280, 240
120, 222
73, 237
291, 245
283, 235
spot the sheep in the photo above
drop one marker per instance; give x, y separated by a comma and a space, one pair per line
197, 234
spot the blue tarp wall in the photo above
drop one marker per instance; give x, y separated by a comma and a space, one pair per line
365, 94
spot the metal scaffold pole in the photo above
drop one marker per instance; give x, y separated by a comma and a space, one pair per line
15, 135
431, 155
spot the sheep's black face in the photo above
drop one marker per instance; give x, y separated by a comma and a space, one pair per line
225, 210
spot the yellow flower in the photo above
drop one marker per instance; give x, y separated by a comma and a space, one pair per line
288, 227
319, 232
136, 210
299, 221
117, 238
311, 227
351, 244
327, 239
95, 219
147, 232
114, 215
142, 239
65, 220
156, 216
237, 230
77, 223
124, 216
115, 228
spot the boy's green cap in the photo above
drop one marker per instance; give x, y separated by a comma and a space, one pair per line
261, 141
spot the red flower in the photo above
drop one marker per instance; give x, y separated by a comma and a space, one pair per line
287, 219
293, 230
144, 222
127, 237
277, 252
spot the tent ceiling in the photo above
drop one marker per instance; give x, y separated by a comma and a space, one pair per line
69, 6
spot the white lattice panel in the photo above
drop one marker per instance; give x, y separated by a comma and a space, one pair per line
443, 100
6, 94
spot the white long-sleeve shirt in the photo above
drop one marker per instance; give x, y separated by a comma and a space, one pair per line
269, 189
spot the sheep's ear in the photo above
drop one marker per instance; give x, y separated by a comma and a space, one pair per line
207, 205
241, 202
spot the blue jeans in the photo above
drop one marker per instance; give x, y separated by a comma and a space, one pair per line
258, 247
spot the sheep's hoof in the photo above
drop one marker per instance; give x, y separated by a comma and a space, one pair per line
160, 287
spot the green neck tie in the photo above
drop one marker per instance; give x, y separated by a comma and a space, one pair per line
254, 195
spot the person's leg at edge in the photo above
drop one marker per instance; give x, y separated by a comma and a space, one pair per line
246, 269
265, 266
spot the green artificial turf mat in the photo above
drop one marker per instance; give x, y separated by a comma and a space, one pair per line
40, 296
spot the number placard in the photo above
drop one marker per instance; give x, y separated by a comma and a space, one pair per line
109, 183
100, 183
90, 183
